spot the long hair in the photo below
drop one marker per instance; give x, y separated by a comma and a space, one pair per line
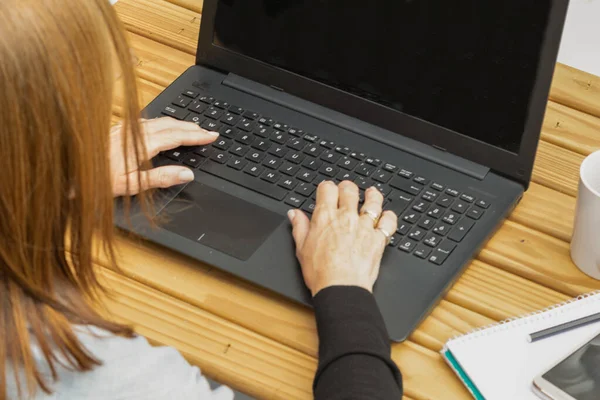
58, 62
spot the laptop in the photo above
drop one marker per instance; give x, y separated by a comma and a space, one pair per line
437, 104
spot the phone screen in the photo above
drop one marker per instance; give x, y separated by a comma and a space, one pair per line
579, 374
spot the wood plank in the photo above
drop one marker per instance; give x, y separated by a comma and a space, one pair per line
223, 350
192, 5
538, 257
557, 168
571, 129
576, 89
547, 211
163, 22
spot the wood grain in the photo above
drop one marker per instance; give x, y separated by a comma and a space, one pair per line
557, 168
571, 129
192, 5
576, 89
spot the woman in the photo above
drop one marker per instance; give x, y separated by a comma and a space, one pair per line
61, 172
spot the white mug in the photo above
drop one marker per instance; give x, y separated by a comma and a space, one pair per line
585, 244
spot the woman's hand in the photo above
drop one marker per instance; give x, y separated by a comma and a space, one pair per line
161, 134
338, 246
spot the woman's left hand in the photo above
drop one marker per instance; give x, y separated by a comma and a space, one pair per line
161, 134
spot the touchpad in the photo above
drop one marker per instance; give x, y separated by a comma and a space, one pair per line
218, 220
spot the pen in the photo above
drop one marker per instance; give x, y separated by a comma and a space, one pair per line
567, 326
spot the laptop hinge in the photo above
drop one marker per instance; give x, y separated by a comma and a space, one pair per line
422, 150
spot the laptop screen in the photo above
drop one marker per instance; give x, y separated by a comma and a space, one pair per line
468, 66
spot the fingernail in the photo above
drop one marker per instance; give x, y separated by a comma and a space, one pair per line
291, 215
186, 176
213, 133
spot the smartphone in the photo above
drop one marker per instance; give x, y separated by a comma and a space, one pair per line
576, 377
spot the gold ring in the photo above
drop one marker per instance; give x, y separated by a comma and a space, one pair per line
388, 236
371, 215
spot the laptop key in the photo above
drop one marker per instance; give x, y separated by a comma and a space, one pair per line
261, 144
192, 94
266, 121
441, 253
307, 176
246, 125
213, 113
207, 99
482, 203
376, 162
211, 125
384, 189
263, 131
343, 150
254, 170
278, 151
305, 189
390, 168
347, 163
346, 176
399, 203
220, 157
290, 169
198, 107
474, 213
330, 157
295, 132
195, 118
451, 217
432, 240
236, 110
460, 207
312, 163
314, 150
452, 192
420, 206
421, 180
192, 160
329, 170
244, 180
417, 233
362, 183
204, 151
255, 156
244, 138
422, 251
445, 201
294, 200
412, 217
230, 119
223, 144
279, 137
403, 227
364, 169
469, 198
288, 183
429, 195
405, 173
294, 157
309, 206
281, 126
437, 186
328, 144
239, 150
250, 115
221, 104
310, 138
461, 229
272, 162
182, 101
436, 212
175, 154
229, 132
427, 222
441, 229
407, 245
296, 144
406, 186
175, 112
270, 176
237, 163
394, 240
358, 156
382, 176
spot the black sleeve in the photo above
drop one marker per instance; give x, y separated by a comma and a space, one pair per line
354, 348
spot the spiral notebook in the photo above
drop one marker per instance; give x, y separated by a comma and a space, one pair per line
498, 362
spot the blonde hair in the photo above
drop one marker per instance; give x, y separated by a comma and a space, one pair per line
57, 79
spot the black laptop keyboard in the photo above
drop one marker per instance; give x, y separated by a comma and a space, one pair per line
286, 164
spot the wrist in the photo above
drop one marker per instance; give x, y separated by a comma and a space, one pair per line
319, 287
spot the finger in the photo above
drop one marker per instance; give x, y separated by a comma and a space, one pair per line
157, 125
171, 138
300, 227
387, 225
348, 196
372, 207
327, 196
162, 177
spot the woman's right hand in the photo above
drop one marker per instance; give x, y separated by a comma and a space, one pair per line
338, 246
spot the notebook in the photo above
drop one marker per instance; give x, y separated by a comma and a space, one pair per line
498, 363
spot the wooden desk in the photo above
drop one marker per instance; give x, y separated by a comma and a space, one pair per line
267, 346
